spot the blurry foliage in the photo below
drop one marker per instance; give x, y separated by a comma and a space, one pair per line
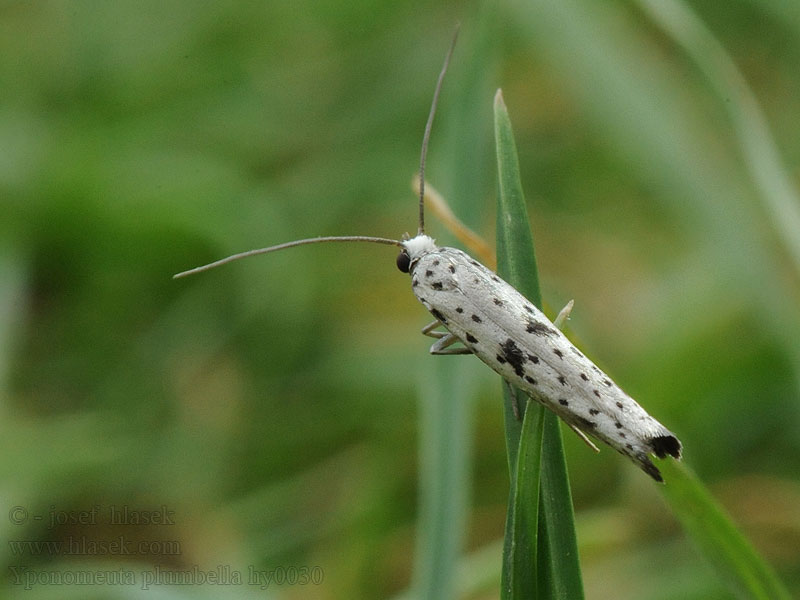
272, 404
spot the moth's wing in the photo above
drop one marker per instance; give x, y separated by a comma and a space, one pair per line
507, 332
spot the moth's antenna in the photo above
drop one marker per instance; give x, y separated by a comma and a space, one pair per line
427, 135
345, 238
354, 238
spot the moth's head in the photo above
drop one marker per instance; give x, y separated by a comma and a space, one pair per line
413, 249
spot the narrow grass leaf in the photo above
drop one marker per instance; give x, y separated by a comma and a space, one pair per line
553, 570
523, 509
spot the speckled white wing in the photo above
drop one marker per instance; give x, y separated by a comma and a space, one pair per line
513, 337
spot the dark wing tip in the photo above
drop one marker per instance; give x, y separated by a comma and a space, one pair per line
662, 446
666, 445
651, 469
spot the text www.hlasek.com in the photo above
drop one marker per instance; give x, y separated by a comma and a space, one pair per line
83, 546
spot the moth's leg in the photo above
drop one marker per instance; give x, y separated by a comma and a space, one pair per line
445, 340
512, 392
429, 330
442, 346
564, 314
584, 437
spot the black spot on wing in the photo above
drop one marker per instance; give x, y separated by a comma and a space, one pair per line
530, 380
537, 328
428, 273
459, 310
562, 380
513, 354
533, 359
584, 377
437, 285
594, 412
476, 318
497, 301
472, 339
563, 402
558, 353
452, 268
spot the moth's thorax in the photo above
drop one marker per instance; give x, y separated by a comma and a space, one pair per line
419, 245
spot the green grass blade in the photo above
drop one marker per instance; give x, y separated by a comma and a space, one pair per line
520, 547
516, 259
557, 532
541, 533
737, 563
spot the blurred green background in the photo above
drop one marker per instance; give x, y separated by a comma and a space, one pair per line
269, 410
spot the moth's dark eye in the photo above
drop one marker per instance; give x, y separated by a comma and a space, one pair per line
403, 261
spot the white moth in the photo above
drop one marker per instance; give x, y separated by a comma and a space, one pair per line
506, 331
496, 323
